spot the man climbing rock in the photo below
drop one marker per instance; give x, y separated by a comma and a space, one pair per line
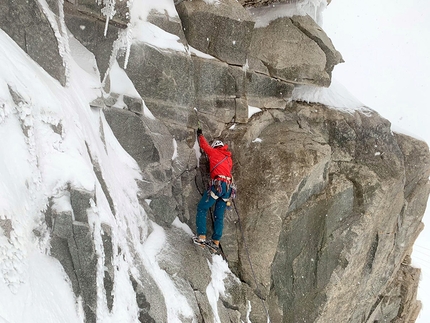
220, 164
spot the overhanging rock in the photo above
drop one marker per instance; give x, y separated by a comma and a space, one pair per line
283, 51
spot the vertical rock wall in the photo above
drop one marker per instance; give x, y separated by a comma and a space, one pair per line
329, 202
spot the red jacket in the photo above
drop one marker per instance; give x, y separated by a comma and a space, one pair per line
220, 162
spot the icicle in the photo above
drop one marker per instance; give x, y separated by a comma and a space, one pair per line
108, 11
106, 26
128, 41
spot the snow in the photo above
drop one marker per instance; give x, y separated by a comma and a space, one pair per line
197, 151
45, 282
252, 111
176, 303
264, 15
120, 82
181, 225
336, 96
152, 35
51, 141
215, 289
212, 2
175, 149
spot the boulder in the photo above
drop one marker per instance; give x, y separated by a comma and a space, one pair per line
263, 91
169, 75
311, 29
165, 209
283, 51
222, 29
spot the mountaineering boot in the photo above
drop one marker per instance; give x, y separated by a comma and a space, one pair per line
200, 241
213, 246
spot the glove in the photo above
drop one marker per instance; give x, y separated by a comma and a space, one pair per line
199, 132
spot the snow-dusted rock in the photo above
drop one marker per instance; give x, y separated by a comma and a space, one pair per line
87, 30
27, 24
100, 182
221, 28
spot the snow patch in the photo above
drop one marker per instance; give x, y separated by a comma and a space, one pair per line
120, 82
219, 271
156, 37
198, 53
336, 96
196, 148
264, 15
181, 225
212, 2
252, 111
176, 303
175, 149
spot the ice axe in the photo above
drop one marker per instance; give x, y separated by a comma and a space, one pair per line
198, 120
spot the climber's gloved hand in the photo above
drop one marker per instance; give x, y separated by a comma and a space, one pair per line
199, 132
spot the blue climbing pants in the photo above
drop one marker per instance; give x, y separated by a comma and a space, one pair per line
206, 202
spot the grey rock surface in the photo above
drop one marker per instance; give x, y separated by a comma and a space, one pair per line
283, 51
25, 22
329, 202
222, 29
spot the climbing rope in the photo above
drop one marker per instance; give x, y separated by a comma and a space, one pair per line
244, 243
250, 262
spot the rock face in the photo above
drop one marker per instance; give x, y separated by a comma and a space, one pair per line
26, 23
329, 202
223, 30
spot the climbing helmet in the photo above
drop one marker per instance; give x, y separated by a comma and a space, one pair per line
217, 143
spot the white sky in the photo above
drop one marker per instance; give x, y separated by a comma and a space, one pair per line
386, 48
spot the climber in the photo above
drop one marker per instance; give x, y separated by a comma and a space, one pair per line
220, 164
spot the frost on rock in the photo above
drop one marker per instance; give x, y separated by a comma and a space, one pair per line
212, 2
109, 12
264, 15
60, 31
335, 96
